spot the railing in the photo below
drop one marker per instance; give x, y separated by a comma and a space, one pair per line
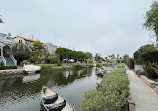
4, 61
131, 105
14, 60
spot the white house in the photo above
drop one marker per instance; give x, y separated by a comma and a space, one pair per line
50, 47
6, 57
23, 40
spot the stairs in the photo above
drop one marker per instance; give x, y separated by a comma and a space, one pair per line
9, 62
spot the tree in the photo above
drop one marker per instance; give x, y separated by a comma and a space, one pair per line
21, 52
39, 52
125, 58
151, 19
98, 57
142, 50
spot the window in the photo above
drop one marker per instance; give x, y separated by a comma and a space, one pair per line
19, 41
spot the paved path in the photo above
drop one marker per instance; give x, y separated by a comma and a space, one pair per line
145, 97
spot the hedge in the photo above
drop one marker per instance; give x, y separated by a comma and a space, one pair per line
112, 93
7, 67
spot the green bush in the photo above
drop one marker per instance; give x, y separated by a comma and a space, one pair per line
112, 93
121, 66
130, 63
149, 70
7, 67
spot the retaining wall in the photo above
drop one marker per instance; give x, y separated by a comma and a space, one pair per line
11, 72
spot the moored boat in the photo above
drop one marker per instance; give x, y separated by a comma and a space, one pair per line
31, 68
51, 101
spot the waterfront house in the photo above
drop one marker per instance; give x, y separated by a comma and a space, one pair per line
50, 47
6, 57
23, 40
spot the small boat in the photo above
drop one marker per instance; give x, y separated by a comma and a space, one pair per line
31, 68
100, 71
85, 67
51, 101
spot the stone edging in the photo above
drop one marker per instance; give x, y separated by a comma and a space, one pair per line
150, 83
11, 72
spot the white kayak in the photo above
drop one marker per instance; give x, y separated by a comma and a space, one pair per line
31, 68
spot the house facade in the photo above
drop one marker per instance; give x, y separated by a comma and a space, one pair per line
50, 47
6, 57
23, 40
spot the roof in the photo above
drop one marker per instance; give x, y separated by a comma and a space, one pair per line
30, 40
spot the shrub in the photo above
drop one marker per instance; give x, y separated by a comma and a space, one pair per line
93, 101
149, 70
130, 63
7, 67
112, 93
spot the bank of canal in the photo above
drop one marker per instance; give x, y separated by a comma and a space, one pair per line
22, 93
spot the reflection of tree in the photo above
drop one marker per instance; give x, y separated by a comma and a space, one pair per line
15, 86
64, 78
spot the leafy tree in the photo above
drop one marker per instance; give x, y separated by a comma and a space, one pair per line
21, 52
39, 52
98, 58
143, 50
88, 55
65, 53
151, 19
125, 58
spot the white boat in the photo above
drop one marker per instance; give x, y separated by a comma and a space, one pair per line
31, 68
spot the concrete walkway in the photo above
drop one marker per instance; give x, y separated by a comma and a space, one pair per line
145, 97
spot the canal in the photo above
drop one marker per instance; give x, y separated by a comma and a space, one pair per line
22, 93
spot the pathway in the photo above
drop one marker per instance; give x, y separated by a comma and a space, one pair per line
145, 97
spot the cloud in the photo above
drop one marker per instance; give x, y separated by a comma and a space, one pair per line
98, 26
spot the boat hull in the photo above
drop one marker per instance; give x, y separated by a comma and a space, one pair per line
48, 96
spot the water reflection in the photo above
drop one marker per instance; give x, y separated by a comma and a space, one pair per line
30, 78
23, 93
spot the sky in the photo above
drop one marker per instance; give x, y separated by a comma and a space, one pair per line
98, 26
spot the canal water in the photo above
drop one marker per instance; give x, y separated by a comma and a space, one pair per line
22, 93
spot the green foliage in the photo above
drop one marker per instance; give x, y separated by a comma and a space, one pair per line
118, 60
130, 63
149, 69
39, 52
76, 55
21, 52
125, 58
98, 58
112, 93
149, 56
151, 19
93, 101
146, 53
7, 67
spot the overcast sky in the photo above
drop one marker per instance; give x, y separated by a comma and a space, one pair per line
98, 26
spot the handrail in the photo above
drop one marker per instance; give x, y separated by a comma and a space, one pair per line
14, 60
4, 61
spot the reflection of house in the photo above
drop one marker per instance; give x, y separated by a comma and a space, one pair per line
23, 40
6, 57
50, 48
